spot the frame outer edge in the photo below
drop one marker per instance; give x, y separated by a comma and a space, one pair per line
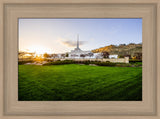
1, 59
147, 27
158, 59
82, 1
78, 117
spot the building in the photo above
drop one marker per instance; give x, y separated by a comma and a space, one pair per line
78, 53
113, 56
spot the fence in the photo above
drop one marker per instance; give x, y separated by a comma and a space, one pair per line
119, 60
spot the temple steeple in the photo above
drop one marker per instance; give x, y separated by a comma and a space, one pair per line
77, 48
77, 41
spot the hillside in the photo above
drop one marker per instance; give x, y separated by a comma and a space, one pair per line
122, 49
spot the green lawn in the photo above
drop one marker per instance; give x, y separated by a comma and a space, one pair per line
79, 82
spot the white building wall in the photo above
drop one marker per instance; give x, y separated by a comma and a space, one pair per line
113, 56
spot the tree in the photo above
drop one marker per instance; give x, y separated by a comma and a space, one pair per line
63, 55
131, 44
82, 55
45, 55
105, 54
54, 55
121, 56
67, 54
90, 54
128, 56
32, 55
138, 55
21, 55
122, 44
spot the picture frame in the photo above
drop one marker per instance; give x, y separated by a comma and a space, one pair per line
11, 10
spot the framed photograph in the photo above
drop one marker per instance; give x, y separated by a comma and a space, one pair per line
79, 59
53, 66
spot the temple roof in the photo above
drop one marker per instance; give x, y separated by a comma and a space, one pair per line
77, 49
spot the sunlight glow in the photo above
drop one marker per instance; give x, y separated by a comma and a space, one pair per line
39, 50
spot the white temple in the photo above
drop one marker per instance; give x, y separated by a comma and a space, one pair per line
78, 53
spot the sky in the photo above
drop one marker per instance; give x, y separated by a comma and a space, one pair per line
60, 35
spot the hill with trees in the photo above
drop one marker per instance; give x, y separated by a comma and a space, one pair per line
131, 50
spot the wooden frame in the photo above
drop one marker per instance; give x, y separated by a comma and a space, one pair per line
11, 10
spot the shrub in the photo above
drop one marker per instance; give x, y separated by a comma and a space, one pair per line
105, 63
99, 63
24, 62
134, 60
58, 62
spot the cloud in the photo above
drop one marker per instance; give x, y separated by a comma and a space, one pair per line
71, 43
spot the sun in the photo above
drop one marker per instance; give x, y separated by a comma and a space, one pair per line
39, 50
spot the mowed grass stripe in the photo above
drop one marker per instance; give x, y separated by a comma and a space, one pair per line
110, 92
78, 82
126, 91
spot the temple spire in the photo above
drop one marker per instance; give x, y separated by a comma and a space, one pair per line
77, 41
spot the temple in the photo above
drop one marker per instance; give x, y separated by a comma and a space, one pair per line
77, 52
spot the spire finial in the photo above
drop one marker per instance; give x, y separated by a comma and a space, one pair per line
78, 41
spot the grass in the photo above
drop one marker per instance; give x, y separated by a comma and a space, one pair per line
79, 83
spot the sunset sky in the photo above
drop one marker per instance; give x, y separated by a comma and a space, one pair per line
60, 35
